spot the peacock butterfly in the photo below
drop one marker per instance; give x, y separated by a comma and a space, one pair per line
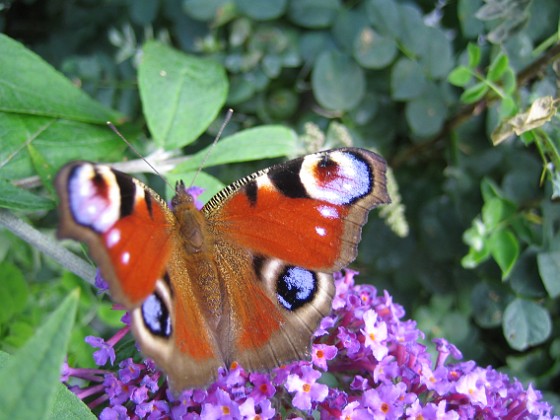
247, 278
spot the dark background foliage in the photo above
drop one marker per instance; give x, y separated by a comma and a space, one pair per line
425, 83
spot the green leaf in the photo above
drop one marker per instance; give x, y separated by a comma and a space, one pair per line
42, 167
498, 67
338, 82
488, 304
474, 53
313, 13
268, 141
407, 80
29, 379
549, 269
66, 404
181, 94
203, 9
489, 189
14, 198
495, 211
56, 140
525, 324
384, 16
374, 51
13, 291
504, 248
436, 57
471, 27
348, 26
426, 114
509, 81
475, 93
259, 10
460, 76
32, 86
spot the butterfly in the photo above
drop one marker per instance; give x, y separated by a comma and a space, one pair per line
245, 279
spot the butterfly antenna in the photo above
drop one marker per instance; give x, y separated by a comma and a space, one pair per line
118, 133
207, 155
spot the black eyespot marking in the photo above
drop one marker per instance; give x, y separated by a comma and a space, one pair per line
156, 316
148, 198
296, 287
167, 281
286, 179
128, 190
251, 192
327, 163
258, 262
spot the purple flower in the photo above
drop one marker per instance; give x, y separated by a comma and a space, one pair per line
223, 407
374, 356
306, 389
473, 385
386, 400
116, 412
105, 352
321, 353
195, 192
152, 410
129, 370
252, 410
100, 282
262, 387
375, 333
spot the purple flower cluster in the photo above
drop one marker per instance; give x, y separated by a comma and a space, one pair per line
366, 362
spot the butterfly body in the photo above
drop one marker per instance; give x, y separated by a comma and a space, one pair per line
245, 279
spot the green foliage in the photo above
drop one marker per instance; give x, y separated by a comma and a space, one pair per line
460, 99
30, 379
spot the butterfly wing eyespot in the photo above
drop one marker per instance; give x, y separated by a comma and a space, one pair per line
124, 224
321, 200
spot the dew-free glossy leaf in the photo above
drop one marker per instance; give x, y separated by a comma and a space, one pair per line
338, 82
549, 269
29, 85
181, 94
460, 76
407, 80
313, 13
475, 93
203, 9
252, 144
426, 115
262, 10
15, 198
384, 16
475, 54
373, 50
495, 211
525, 324
56, 140
504, 248
437, 55
13, 291
29, 379
498, 66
